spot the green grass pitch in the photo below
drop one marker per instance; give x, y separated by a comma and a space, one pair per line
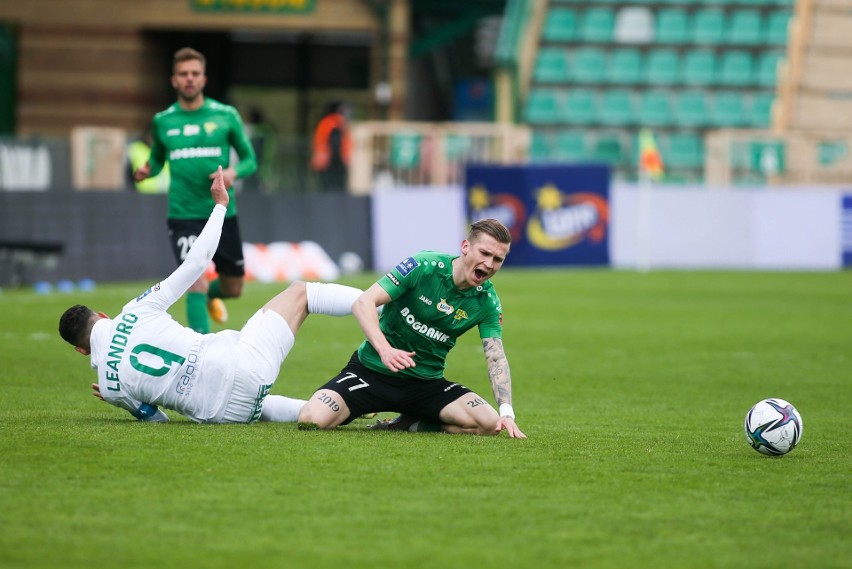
631, 387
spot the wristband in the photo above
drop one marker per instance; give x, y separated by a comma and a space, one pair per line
506, 410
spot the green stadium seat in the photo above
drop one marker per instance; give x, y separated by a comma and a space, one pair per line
735, 68
541, 147
728, 109
672, 26
708, 26
551, 66
625, 66
662, 67
543, 106
699, 67
596, 25
760, 115
691, 108
655, 108
580, 107
616, 108
745, 28
588, 65
560, 25
684, 150
609, 150
776, 28
767, 68
571, 146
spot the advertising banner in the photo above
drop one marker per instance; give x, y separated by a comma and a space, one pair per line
846, 230
557, 214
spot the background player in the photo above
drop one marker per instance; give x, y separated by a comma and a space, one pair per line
195, 136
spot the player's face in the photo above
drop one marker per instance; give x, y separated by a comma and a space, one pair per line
481, 259
189, 80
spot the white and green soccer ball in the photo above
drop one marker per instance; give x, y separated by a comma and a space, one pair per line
773, 427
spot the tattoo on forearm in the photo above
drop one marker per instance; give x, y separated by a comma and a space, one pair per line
498, 370
327, 400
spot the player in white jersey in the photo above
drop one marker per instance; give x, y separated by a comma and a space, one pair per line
145, 360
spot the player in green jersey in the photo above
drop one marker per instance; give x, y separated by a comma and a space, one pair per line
428, 301
195, 136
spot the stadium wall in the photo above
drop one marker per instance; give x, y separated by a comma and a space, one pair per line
110, 236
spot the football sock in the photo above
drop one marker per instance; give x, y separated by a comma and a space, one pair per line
196, 312
215, 290
424, 427
280, 409
330, 298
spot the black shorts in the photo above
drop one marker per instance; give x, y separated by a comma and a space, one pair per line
229, 256
368, 391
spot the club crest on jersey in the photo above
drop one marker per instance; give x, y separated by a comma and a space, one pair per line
210, 126
460, 315
406, 266
444, 307
191, 129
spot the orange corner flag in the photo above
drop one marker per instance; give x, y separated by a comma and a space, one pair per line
650, 159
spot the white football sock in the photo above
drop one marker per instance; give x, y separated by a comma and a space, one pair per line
280, 409
331, 299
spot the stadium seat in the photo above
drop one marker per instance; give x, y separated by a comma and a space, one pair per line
541, 147
684, 150
588, 65
760, 115
655, 108
672, 26
543, 106
699, 67
625, 66
609, 150
596, 25
571, 145
691, 108
662, 67
745, 28
551, 66
634, 24
776, 28
560, 25
728, 109
708, 26
767, 68
580, 107
616, 108
735, 68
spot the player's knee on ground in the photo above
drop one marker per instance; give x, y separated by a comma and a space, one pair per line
315, 416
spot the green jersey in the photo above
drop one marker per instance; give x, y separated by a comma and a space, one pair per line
427, 313
196, 143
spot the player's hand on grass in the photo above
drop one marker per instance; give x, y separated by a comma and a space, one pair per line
218, 189
229, 176
508, 424
97, 391
396, 360
142, 172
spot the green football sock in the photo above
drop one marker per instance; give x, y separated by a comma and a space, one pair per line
425, 427
196, 312
215, 290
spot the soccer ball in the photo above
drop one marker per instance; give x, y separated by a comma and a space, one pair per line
773, 427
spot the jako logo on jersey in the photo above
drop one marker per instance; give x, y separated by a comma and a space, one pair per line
560, 222
173, 132
444, 307
406, 266
505, 208
424, 329
195, 152
191, 129
426, 301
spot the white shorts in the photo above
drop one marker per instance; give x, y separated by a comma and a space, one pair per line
264, 343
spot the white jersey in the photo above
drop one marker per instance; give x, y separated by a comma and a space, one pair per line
145, 359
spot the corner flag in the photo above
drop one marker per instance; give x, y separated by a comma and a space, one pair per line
650, 159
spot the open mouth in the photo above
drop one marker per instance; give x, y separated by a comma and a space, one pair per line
480, 274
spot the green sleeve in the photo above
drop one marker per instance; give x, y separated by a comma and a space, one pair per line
248, 161
158, 152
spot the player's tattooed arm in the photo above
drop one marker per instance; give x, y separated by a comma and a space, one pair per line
498, 370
